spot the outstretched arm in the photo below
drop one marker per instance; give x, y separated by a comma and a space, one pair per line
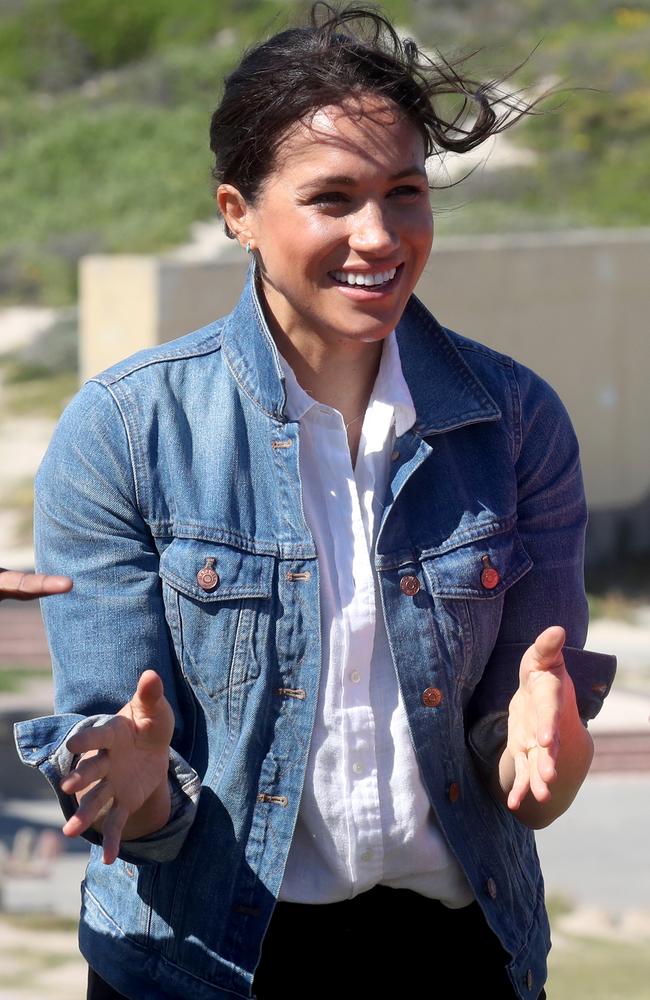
28, 586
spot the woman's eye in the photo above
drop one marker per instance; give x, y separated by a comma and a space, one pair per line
329, 198
405, 190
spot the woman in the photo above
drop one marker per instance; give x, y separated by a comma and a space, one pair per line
349, 543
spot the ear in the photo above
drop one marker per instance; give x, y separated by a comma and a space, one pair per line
236, 212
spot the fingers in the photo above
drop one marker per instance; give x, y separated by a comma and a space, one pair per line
90, 809
534, 772
27, 586
521, 784
112, 832
87, 772
93, 738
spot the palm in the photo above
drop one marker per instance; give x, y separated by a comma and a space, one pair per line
534, 718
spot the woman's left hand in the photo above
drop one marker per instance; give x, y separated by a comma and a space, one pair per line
543, 721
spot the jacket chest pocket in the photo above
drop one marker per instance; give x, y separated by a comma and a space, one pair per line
469, 585
218, 605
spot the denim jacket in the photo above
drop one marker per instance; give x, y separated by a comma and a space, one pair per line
181, 458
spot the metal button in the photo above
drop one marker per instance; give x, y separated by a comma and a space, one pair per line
409, 585
208, 578
432, 697
490, 576
453, 792
491, 887
529, 979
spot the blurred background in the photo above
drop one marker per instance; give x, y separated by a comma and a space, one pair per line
109, 242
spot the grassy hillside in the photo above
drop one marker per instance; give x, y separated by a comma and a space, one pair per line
105, 105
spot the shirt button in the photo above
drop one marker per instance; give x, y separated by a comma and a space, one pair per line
491, 887
357, 767
529, 979
207, 578
394, 455
355, 676
453, 792
367, 855
432, 697
409, 585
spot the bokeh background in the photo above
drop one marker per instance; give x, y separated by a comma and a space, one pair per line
104, 114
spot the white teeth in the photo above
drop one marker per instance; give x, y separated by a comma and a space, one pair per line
368, 280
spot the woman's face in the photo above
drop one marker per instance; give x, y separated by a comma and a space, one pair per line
342, 226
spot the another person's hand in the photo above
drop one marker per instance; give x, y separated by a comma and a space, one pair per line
27, 586
549, 751
122, 784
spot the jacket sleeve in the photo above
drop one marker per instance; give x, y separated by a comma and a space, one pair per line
551, 521
111, 626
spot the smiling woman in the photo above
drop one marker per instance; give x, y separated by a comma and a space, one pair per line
349, 543
341, 229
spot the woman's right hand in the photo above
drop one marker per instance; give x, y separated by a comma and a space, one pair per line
121, 784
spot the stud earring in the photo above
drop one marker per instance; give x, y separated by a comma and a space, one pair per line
249, 248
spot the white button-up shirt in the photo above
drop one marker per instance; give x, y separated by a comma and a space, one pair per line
364, 816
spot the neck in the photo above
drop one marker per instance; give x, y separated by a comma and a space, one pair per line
342, 379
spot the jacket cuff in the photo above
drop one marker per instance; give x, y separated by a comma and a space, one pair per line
592, 675
42, 743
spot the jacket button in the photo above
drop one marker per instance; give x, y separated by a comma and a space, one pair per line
491, 887
529, 979
409, 585
453, 792
490, 576
432, 697
208, 578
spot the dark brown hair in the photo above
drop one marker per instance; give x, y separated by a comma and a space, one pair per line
344, 53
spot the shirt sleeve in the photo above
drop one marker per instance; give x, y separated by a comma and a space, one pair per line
111, 627
551, 521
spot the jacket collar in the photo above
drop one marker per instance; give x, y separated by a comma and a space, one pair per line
445, 391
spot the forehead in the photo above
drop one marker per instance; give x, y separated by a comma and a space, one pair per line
367, 132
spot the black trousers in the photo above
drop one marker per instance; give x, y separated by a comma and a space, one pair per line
381, 942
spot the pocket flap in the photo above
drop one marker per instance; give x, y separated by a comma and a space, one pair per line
238, 573
480, 569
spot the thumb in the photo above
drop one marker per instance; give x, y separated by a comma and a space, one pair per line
148, 693
546, 651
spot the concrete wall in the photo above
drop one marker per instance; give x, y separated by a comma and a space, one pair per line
573, 306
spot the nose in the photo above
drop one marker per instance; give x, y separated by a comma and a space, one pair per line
372, 230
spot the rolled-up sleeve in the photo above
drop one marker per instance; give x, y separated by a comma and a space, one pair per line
551, 522
111, 626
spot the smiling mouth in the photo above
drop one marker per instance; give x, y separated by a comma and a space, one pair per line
365, 279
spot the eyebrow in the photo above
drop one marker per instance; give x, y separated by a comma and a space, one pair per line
346, 181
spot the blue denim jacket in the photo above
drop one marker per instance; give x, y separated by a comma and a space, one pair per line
183, 454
